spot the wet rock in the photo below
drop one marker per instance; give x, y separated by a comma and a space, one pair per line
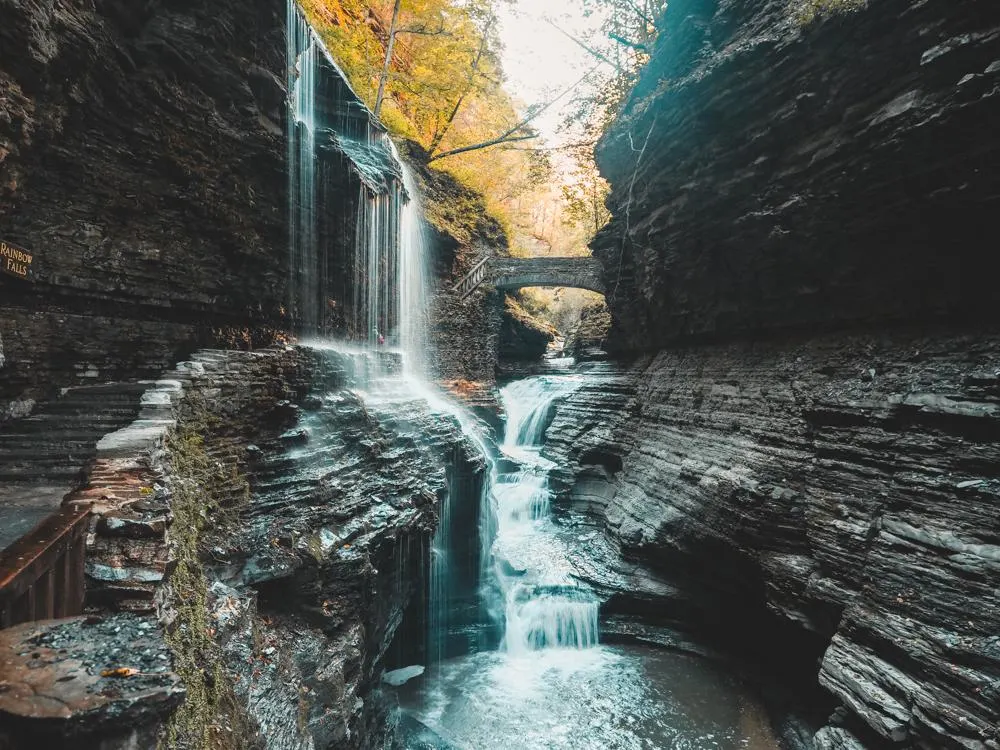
830, 738
523, 337
311, 578
86, 682
587, 340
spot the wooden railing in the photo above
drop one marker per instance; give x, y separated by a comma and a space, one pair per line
471, 281
42, 574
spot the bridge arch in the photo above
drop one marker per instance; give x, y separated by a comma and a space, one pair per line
510, 274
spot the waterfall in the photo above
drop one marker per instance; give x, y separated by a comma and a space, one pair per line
376, 266
414, 280
304, 276
543, 605
358, 257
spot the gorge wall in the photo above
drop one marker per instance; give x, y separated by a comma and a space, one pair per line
323, 507
821, 498
771, 175
142, 164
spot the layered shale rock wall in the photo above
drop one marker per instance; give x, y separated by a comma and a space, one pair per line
804, 458
315, 547
142, 163
280, 524
837, 491
772, 175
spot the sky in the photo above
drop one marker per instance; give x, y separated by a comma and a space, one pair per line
539, 61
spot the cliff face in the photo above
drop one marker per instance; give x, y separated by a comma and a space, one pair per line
279, 525
830, 498
142, 163
310, 577
824, 498
769, 175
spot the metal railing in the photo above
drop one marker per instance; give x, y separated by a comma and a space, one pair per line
42, 574
471, 281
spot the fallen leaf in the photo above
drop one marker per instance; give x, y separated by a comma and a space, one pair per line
120, 672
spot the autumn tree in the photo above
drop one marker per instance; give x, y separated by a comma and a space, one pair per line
432, 71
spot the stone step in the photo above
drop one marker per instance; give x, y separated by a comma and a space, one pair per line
88, 420
40, 440
76, 409
44, 455
130, 388
32, 473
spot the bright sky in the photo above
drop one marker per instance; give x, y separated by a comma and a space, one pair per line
538, 60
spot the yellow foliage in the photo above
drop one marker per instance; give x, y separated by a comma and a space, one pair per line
455, 59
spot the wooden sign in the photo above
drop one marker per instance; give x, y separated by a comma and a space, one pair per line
15, 261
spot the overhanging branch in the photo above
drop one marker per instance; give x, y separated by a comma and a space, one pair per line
510, 136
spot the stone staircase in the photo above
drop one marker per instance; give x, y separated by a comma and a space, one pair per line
54, 444
44, 456
129, 554
102, 446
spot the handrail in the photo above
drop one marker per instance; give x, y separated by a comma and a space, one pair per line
471, 281
42, 573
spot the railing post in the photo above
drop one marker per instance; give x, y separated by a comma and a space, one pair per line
42, 574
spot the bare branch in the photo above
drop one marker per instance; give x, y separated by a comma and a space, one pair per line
440, 134
506, 137
586, 47
641, 13
423, 30
384, 77
564, 147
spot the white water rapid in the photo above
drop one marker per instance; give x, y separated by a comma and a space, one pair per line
551, 685
543, 605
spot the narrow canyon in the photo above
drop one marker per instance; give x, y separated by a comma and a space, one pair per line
294, 455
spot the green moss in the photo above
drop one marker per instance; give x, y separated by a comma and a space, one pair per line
807, 11
210, 718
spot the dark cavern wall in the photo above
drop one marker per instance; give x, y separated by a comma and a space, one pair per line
828, 494
771, 175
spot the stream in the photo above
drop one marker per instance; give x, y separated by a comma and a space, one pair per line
551, 683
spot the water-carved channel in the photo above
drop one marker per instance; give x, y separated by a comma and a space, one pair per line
550, 682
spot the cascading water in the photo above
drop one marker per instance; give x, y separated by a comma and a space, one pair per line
414, 280
358, 260
544, 606
551, 685
383, 337
304, 282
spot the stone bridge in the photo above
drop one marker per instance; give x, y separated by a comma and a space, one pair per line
516, 273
